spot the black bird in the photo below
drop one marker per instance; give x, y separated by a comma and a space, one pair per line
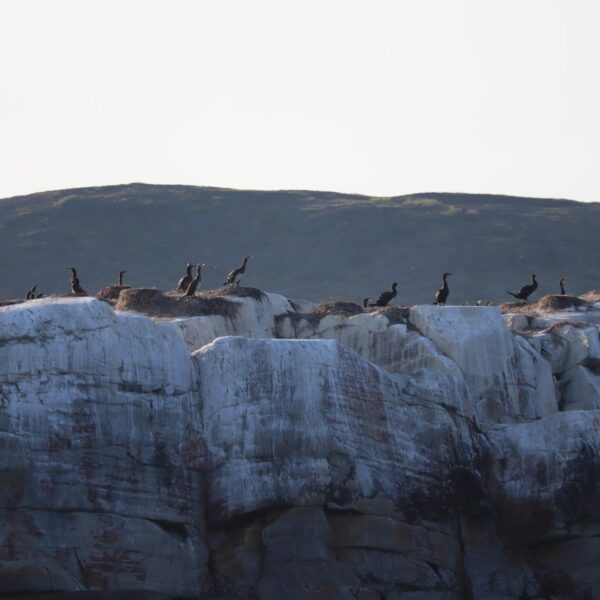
366, 302
563, 291
526, 290
120, 280
191, 289
31, 293
441, 295
183, 283
235, 275
386, 297
75, 286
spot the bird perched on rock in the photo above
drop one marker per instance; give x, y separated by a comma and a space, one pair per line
526, 290
235, 275
191, 288
120, 279
31, 293
563, 291
183, 283
75, 286
441, 295
384, 298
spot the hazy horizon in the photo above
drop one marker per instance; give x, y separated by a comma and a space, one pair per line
384, 99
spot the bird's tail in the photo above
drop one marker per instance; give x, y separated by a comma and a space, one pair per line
513, 295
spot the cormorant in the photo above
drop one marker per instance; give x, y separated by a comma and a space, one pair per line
31, 293
386, 297
120, 283
183, 283
75, 286
236, 274
526, 290
563, 291
191, 289
366, 302
441, 295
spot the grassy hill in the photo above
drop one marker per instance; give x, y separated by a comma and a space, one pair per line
314, 245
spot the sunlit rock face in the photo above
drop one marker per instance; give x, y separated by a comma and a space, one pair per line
436, 452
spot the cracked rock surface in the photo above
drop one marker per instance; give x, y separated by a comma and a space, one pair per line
450, 453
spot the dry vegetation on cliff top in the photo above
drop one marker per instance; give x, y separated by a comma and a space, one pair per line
545, 304
155, 303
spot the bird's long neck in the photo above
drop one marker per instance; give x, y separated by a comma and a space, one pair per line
120, 278
445, 282
562, 288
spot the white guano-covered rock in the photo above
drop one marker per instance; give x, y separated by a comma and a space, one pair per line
99, 452
347, 464
254, 318
535, 382
478, 340
310, 422
580, 389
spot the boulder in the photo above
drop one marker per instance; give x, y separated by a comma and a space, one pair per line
99, 453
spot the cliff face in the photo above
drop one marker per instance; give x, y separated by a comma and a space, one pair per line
432, 452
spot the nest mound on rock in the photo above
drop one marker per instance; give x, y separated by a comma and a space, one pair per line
342, 308
111, 292
545, 304
155, 303
549, 303
592, 296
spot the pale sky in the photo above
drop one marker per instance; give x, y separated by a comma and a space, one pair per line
381, 97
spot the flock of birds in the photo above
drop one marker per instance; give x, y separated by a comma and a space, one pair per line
189, 283
441, 295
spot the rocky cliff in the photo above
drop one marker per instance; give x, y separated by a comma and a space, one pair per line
277, 451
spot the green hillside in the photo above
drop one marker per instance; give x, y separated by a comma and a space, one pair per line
314, 245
